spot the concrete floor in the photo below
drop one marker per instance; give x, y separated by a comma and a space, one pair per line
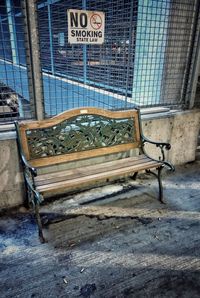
126, 245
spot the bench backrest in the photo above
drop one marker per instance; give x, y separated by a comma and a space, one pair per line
79, 134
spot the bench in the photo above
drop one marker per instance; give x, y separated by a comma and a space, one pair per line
82, 134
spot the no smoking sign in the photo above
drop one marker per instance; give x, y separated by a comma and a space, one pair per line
85, 27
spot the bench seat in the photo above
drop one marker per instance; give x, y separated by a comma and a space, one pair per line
59, 182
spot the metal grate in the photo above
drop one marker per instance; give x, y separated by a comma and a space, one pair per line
178, 53
144, 59
87, 75
14, 94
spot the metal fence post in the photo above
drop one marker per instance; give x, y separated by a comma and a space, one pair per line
191, 75
84, 5
194, 74
33, 59
50, 36
12, 31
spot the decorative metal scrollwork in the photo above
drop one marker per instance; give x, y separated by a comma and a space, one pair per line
80, 133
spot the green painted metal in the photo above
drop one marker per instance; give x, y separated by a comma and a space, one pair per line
80, 133
161, 145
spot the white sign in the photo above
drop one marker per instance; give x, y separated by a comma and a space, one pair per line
85, 27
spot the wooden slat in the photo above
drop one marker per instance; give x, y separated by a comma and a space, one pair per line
99, 165
53, 160
94, 169
137, 129
24, 142
76, 112
94, 178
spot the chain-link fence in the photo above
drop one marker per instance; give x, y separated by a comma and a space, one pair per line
14, 91
145, 59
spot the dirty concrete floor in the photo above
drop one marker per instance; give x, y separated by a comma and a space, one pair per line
124, 245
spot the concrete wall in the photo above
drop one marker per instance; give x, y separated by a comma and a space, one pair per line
179, 128
11, 186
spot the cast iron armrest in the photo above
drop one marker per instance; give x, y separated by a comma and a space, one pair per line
29, 174
28, 166
36, 198
163, 146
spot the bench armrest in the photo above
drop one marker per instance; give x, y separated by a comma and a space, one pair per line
33, 195
163, 146
27, 166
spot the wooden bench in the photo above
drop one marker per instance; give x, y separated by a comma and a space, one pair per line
82, 134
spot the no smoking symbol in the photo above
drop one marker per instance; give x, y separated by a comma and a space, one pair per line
96, 21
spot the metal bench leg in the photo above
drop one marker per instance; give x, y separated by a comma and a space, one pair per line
160, 185
39, 223
158, 176
134, 176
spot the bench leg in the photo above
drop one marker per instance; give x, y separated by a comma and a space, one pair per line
158, 176
160, 185
39, 223
134, 176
